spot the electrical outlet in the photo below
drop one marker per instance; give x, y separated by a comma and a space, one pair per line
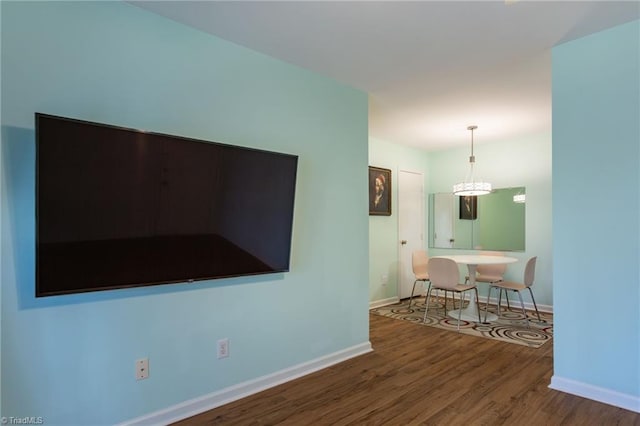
384, 279
142, 368
223, 348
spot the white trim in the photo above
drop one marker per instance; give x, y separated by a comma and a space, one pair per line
383, 302
423, 221
606, 396
515, 304
233, 393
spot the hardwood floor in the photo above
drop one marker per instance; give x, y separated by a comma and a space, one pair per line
423, 376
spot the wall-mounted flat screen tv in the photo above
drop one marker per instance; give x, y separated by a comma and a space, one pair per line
118, 208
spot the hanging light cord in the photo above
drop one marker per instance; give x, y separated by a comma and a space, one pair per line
472, 159
469, 186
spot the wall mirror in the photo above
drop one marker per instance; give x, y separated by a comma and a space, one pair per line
495, 221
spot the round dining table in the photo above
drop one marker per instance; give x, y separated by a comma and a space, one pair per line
470, 313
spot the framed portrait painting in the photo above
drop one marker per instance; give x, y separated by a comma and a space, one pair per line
469, 207
379, 191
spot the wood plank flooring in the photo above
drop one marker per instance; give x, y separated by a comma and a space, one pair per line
423, 376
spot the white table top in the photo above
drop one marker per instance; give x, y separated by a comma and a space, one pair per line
479, 259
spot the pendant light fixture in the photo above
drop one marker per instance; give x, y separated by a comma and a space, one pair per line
470, 186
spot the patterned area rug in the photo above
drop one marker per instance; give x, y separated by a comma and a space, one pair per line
511, 327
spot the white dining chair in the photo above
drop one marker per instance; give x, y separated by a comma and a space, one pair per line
529, 276
491, 273
444, 275
419, 264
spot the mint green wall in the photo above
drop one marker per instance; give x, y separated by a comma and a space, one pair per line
520, 162
383, 230
596, 206
464, 233
503, 221
71, 358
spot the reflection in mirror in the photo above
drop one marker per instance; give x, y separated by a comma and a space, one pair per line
494, 221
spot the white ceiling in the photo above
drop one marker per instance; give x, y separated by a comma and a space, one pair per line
431, 68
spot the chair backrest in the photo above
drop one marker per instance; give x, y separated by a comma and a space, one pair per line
443, 272
493, 271
419, 262
530, 271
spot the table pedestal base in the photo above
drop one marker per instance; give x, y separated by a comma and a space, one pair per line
471, 314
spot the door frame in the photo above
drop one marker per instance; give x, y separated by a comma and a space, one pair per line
404, 257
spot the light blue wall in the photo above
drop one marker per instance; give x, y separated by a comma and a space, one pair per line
2, 245
596, 210
383, 230
71, 358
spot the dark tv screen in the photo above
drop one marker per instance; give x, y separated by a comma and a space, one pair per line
118, 208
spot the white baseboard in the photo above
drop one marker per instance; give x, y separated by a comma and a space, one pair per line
494, 300
514, 302
383, 302
606, 396
233, 393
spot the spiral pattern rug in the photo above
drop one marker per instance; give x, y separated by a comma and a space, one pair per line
511, 327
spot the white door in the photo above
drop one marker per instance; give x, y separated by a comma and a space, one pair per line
411, 207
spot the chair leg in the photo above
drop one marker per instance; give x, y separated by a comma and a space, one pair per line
477, 304
412, 290
445, 303
499, 301
426, 299
426, 310
486, 306
534, 304
523, 310
506, 295
460, 308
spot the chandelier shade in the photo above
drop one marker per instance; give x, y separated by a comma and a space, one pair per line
471, 186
